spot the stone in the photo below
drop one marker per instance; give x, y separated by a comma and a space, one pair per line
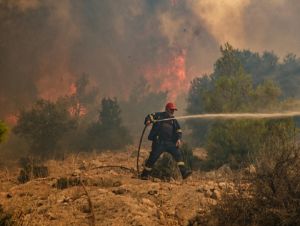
161, 217
222, 185
85, 208
252, 169
39, 203
224, 170
102, 191
42, 210
51, 216
216, 194
201, 190
156, 179
148, 202
8, 195
120, 191
77, 172
152, 192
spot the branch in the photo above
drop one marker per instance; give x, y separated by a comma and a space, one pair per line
93, 219
114, 166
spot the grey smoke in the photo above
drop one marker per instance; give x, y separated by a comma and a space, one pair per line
45, 45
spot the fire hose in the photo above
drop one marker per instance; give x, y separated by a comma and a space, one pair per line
138, 152
222, 116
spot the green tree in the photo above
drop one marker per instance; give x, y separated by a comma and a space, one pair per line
43, 126
199, 89
108, 132
3, 131
229, 94
233, 141
266, 96
230, 89
228, 64
110, 114
288, 76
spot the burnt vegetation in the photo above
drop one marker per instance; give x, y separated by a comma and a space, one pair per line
6, 219
31, 168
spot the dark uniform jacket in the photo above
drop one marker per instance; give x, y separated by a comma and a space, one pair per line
168, 131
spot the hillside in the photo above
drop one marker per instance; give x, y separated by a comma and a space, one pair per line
110, 195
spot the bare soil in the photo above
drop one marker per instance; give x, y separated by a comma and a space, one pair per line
109, 195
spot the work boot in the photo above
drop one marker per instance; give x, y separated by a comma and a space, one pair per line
145, 174
185, 173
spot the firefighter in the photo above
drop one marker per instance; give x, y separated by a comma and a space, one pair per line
165, 136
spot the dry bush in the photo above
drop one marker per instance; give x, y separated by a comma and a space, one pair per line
31, 168
65, 182
166, 167
6, 219
273, 197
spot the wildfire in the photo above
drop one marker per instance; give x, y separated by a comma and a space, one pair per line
52, 93
169, 77
72, 89
52, 89
11, 119
77, 110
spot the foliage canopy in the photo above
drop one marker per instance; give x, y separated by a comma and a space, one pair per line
231, 89
108, 132
44, 125
3, 131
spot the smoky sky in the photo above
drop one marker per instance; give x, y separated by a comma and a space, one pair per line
45, 45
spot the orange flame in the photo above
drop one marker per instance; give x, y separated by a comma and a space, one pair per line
72, 89
170, 77
77, 110
11, 119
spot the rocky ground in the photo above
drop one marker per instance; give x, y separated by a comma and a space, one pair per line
110, 195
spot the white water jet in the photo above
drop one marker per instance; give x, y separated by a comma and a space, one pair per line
237, 116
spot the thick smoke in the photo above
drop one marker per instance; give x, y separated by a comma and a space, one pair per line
46, 45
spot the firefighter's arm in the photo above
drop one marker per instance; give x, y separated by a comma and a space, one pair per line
150, 118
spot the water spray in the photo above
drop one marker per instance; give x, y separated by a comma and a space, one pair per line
236, 116
219, 116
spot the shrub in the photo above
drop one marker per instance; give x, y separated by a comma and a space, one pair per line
166, 167
43, 126
6, 219
3, 131
31, 168
231, 142
273, 197
108, 132
230, 89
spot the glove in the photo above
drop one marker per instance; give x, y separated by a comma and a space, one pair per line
178, 143
149, 120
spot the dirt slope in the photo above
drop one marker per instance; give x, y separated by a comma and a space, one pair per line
109, 196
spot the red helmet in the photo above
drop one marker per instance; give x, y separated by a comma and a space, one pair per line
171, 106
